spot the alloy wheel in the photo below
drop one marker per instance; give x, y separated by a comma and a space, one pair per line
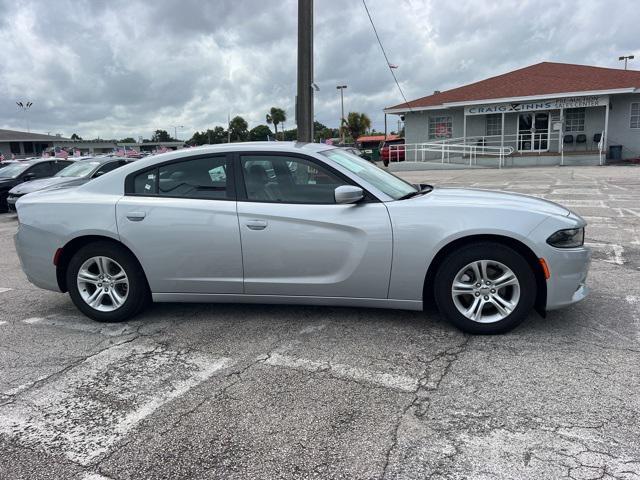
485, 291
103, 284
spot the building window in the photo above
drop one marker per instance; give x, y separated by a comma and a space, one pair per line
574, 120
494, 124
635, 115
440, 127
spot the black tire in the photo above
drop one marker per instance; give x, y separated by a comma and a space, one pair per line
138, 290
457, 260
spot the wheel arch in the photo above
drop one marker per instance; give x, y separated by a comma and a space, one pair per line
520, 247
75, 244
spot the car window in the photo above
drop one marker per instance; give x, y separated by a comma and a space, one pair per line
58, 165
284, 179
40, 170
204, 178
107, 167
78, 169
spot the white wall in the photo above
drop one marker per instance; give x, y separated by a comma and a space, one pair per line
620, 131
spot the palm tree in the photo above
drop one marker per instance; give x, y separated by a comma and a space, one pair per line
276, 116
357, 124
238, 127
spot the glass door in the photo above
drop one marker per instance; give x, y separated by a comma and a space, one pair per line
533, 132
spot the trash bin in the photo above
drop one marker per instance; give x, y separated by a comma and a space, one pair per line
615, 152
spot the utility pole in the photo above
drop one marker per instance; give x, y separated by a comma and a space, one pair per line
341, 88
304, 99
229, 127
625, 58
175, 131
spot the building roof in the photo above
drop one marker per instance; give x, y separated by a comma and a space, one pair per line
375, 138
17, 136
544, 78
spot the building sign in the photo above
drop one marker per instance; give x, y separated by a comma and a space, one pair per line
552, 104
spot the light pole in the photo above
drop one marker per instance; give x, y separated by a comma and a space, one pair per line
25, 107
341, 88
625, 58
175, 131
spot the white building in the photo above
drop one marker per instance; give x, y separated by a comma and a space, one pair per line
27, 144
537, 111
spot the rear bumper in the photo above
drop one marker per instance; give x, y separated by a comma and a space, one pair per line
569, 269
34, 248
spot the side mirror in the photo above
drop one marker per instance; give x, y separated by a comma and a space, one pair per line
28, 177
348, 194
98, 174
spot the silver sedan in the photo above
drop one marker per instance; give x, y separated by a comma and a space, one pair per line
299, 224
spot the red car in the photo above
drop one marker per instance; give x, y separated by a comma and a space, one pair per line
394, 155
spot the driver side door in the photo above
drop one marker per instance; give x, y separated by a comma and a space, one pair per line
296, 240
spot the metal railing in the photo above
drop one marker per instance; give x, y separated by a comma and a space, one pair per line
423, 152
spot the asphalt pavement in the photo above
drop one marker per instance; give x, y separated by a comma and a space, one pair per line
249, 391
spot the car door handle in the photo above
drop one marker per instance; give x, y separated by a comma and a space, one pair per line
256, 224
136, 216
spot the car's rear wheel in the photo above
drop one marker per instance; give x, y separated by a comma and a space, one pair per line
485, 288
106, 282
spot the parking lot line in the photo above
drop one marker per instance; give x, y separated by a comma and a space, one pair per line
4, 289
96, 403
2, 322
381, 379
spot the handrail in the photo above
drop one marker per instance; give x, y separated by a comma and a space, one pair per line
446, 149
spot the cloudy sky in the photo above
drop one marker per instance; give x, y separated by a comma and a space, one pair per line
127, 67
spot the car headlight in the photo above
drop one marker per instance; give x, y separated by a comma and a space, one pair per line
570, 238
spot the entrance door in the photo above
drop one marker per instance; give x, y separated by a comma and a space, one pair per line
533, 132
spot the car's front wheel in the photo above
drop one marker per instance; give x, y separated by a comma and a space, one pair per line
485, 288
106, 283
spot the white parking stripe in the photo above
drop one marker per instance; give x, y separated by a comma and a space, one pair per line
95, 404
94, 476
4, 289
32, 320
2, 322
386, 380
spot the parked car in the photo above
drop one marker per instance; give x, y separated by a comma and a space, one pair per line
324, 228
396, 154
25, 171
78, 173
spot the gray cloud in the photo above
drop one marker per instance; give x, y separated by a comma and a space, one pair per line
127, 67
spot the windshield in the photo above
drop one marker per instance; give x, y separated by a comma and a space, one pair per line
78, 169
384, 181
12, 171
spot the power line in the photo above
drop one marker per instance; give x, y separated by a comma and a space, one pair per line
385, 55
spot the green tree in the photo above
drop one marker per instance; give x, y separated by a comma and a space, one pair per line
276, 116
290, 135
260, 133
128, 140
356, 124
76, 137
208, 137
238, 127
161, 136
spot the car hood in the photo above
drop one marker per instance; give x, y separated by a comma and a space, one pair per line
45, 184
7, 182
489, 198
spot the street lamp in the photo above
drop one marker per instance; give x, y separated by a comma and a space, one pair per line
341, 88
25, 107
625, 58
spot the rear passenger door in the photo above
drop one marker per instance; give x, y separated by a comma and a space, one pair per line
180, 220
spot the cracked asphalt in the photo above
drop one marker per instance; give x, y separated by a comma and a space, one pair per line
250, 391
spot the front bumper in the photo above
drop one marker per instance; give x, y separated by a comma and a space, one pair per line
569, 268
11, 202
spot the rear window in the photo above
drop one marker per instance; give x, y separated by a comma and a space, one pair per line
145, 183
